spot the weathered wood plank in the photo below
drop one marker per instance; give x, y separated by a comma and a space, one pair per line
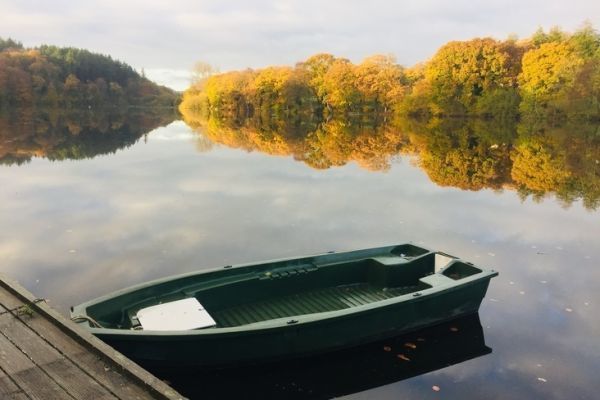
103, 373
62, 370
9, 390
75, 349
27, 375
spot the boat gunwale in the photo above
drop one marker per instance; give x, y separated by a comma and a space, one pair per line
283, 323
376, 252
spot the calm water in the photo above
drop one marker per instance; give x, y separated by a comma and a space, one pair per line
104, 203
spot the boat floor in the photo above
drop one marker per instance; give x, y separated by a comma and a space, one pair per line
310, 302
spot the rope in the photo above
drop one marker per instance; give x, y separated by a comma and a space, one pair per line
94, 323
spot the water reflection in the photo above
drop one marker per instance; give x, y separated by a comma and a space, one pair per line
341, 373
61, 134
71, 231
471, 154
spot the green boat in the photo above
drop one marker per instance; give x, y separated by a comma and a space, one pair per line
338, 373
278, 309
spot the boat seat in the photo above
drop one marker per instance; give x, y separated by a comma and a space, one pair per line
436, 280
177, 315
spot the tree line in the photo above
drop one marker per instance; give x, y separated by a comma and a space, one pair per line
70, 77
552, 74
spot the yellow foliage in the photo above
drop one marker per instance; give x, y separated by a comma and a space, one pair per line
462, 71
479, 77
548, 69
537, 168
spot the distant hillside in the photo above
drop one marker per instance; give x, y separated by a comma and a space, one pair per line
74, 78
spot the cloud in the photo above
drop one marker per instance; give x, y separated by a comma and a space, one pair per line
235, 34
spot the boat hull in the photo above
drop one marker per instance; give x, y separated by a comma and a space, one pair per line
298, 338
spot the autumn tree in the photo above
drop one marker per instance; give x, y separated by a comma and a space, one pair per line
380, 81
339, 86
71, 77
316, 67
461, 72
547, 72
481, 77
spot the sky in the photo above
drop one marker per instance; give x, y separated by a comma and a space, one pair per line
167, 38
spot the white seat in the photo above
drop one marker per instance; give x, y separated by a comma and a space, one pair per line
177, 315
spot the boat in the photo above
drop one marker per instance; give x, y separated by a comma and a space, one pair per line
338, 373
286, 308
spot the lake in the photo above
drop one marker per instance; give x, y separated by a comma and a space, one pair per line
94, 202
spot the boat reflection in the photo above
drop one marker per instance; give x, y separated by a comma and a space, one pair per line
340, 373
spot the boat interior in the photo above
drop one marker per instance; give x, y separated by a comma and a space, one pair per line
283, 289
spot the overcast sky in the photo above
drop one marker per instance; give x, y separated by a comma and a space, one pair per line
167, 37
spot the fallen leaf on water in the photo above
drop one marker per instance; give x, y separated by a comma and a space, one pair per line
568, 309
410, 345
454, 329
403, 357
387, 348
435, 388
542, 380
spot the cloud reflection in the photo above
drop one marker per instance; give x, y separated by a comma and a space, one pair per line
160, 208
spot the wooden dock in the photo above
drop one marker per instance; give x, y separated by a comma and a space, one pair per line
45, 356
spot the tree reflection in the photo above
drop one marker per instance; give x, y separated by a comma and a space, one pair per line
58, 134
471, 154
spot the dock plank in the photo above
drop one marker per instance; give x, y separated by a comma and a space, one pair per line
44, 356
59, 368
27, 375
105, 374
9, 390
